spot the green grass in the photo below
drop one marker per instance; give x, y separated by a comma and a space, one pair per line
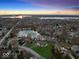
43, 51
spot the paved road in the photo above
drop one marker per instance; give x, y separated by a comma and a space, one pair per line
21, 47
57, 45
30, 51
26, 49
15, 56
72, 57
3, 39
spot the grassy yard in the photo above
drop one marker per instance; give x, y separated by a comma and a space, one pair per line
43, 51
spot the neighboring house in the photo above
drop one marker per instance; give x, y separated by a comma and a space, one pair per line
41, 44
75, 50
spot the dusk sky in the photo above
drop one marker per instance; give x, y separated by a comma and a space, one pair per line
39, 6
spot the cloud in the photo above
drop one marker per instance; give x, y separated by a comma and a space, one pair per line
54, 4
74, 9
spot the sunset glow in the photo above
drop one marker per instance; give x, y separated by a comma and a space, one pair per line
39, 7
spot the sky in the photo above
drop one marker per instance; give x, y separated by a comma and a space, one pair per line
39, 7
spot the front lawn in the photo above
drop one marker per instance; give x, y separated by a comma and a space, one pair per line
43, 51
